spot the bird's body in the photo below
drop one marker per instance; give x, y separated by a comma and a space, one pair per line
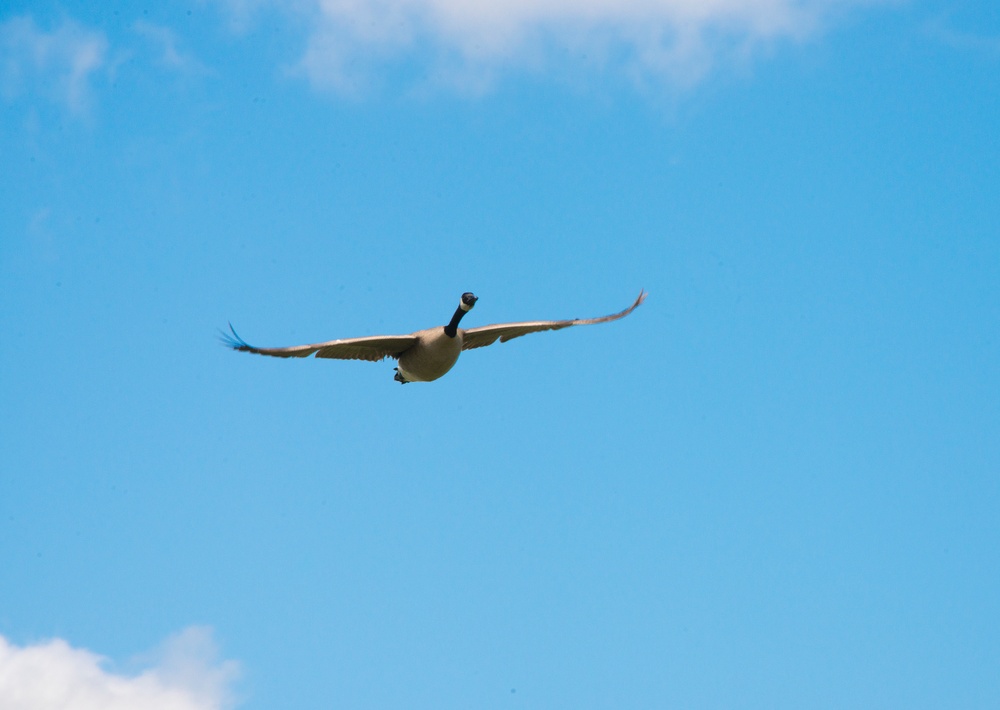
430, 357
424, 355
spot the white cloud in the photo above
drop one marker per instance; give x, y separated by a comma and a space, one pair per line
940, 29
185, 675
58, 63
674, 40
168, 50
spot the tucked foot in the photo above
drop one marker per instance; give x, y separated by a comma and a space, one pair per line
399, 377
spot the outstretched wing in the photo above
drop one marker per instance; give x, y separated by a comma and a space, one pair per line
488, 334
372, 349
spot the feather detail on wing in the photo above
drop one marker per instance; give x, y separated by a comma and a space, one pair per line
489, 334
372, 349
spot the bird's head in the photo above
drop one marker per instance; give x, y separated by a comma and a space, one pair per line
468, 301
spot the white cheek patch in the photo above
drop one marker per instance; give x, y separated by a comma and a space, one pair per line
461, 304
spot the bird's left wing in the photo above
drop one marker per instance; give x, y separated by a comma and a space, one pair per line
488, 334
372, 348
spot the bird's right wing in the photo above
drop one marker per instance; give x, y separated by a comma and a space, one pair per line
372, 349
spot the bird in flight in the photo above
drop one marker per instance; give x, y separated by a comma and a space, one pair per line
427, 354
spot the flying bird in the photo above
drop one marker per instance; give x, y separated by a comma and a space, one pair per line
427, 354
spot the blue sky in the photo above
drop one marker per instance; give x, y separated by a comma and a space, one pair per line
774, 485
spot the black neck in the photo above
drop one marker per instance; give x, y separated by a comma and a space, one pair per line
451, 330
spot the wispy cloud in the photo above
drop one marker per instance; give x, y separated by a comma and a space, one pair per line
58, 64
941, 29
658, 40
168, 49
185, 675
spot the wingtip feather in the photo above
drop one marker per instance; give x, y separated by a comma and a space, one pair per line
232, 339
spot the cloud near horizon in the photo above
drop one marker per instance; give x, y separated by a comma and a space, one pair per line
652, 41
184, 675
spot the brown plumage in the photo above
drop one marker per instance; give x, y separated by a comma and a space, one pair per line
427, 354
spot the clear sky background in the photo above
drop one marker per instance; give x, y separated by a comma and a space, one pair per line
774, 485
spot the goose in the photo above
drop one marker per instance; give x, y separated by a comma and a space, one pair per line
425, 355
